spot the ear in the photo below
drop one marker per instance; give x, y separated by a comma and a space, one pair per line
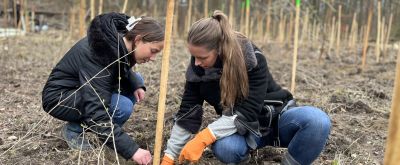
138, 38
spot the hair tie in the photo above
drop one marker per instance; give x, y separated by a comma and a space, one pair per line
132, 22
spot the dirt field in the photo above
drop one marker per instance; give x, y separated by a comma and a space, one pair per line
358, 103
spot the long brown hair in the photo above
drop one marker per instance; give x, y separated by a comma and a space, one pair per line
217, 33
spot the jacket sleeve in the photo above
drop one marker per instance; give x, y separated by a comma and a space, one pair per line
249, 108
96, 93
136, 79
190, 112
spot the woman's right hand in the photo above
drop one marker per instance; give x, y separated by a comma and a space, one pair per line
142, 157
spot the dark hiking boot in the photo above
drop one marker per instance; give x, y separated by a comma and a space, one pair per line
73, 135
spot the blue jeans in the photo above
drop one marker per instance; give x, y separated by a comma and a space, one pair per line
303, 130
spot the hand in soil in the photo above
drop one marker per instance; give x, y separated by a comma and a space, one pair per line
142, 157
139, 95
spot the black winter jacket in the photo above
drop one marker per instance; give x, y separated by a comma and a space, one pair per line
87, 60
203, 85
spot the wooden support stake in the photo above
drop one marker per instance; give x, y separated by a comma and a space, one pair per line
366, 38
296, 40
100, 6
5, 13
92, 10
72, 22
353, 32
268, 22
392, 152
378, 33
82, 23
205, 8
332, 36
388, 34
247, 21
124, 7
339, 29
189, 16
15, 13
231, 12
163, 82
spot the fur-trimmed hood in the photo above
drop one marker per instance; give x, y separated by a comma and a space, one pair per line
104, 34
198, 74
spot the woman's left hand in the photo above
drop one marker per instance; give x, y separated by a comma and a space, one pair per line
139, 95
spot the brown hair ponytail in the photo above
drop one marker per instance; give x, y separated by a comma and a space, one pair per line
217, 33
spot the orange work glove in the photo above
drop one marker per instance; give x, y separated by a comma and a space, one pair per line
166, 160
193, 150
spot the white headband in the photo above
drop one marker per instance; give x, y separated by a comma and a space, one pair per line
132, 22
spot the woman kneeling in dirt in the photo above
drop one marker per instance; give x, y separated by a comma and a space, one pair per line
231, 73
93, 87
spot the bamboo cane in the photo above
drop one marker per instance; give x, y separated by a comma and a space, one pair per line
82, 11
100, 6
92, 9
163, 82
366, 37
247, 21
378, 36
124, 7
388, 34
296, 39
338, 32
392, 152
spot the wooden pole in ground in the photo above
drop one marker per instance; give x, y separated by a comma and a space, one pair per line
247, 21
92, 10
332, 36
296, 40
382, 39
339, 29
189, 16
5, 8
388, 34
378, 32
27, 19
33, 18
163, 82
268, 22
82, 11
100, 6
124, 7
21, 15
72, 22
242, 7
231, 12
15, 13
353, 31
366, 37
392, 152
205, 8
